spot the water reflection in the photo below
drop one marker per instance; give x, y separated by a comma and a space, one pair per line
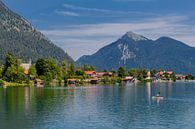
148, 87
104, 107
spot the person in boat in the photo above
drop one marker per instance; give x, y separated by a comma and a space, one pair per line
158, 95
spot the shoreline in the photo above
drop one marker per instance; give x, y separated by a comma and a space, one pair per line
13, 84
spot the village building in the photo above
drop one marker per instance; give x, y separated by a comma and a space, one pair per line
104, 74
26, 67
38, 83
100, 74
94, 81
72, 82
148, 75
108, 74
180, 77
161, 73
90, 73
128, 79
170, 72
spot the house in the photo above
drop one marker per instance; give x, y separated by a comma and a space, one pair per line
90, 73
180, 77
161, 73
38, 83
100, 74
128, 79
108, 74
26, 67
94, 81
104, 74
148, 75
72, 82
170, 72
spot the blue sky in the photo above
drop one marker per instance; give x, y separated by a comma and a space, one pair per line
81, 27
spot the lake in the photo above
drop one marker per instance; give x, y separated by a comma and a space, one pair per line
99, 107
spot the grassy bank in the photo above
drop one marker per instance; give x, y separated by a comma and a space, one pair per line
17, 84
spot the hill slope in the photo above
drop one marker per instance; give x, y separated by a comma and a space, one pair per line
136, 51
18, 37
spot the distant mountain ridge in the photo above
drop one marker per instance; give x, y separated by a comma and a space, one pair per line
136, 51
18, 37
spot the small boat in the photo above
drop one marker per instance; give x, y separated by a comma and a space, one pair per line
156, 97
38, 83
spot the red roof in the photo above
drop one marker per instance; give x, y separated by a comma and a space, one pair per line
90, 72
161, 72
170, 72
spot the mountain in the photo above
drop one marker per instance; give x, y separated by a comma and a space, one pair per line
18, 37
136, 51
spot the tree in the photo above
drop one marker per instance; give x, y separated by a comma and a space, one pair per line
47, 69
153, 72
2, 83
79, 72
173, 77
1, 71
64, 70
51, 67
122, 72
133, 72
13, 71
190, 77
113, 72
40, 64
142, 74
64, 65
88, 68
71, 71
32, 71
9, 60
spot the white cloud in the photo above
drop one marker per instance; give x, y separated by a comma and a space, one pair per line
84, 8
105, 11
80, 40
67, 13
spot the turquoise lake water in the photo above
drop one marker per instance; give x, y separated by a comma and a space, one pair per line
99, 107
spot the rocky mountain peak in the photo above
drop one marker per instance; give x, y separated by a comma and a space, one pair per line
134, 36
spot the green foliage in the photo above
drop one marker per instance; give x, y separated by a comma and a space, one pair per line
111, 80
32, 71
1, 71
122, 72
47, 69
64, 65
40, 64
142, 74
64, 71
173, 77
113, 72
71, 71
2, 83
79, 72
9, 60
133, 72
153, 72
13, 72
190, 77
88, 68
